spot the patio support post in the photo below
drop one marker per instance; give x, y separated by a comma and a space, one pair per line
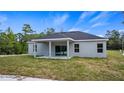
67, 48
49, 48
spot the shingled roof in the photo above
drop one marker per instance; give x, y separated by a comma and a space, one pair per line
76, 35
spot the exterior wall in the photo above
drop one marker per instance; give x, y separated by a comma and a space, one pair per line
88, 49
30, 48
42, 49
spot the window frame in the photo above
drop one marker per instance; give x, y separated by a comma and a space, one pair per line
34, 47
99, 48
76, 48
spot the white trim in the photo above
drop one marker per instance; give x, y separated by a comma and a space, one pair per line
49, 48
34, 52
93, 40
61, 39
67, 48
55, 39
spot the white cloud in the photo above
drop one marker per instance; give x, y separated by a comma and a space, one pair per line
59, 20
79, 29
100, 35
3, 19
81, 19
121, 30
97, 24
83, 16
100, 16
74, 29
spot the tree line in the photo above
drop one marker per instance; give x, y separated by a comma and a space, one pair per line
11, 43
116, 39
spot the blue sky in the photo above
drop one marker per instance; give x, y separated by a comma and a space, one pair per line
92, 22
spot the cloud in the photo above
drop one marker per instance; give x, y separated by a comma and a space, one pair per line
83, 16
59, 20
79, 29
74, 29
98, 24
100, 16
3, 19
121, 30
100, 35
101, 19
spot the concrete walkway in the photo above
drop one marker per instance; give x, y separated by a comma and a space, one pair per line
20, 78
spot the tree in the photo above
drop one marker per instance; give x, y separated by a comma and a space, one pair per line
7, 41
27, 29
19, 37
122, 39
114, 39
50, 31
42, 34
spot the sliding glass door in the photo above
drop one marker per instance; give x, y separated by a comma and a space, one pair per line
61, 50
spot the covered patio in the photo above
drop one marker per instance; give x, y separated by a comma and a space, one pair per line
52, 48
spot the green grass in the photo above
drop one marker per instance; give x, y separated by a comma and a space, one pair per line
111, 68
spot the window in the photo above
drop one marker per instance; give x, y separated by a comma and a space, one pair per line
34, 47
76, 47
100, 48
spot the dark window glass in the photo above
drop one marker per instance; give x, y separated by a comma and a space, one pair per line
100, 48
99, 45
35, 48
60, 50
76, 50
76, 47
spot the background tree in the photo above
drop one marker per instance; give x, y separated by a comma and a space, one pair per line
122, 39
7, 41
114, 39
19, 37
11, 43
27, 28
50, 31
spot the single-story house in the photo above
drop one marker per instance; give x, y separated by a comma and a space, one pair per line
64, 45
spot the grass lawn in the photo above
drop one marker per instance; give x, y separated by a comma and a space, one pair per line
111, 68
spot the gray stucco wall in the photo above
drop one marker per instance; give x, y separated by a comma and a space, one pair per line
87, 49
42, 49
30, 48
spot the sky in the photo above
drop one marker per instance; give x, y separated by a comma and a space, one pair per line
94, 22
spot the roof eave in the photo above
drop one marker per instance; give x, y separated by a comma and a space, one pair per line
53, 39
93, 40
